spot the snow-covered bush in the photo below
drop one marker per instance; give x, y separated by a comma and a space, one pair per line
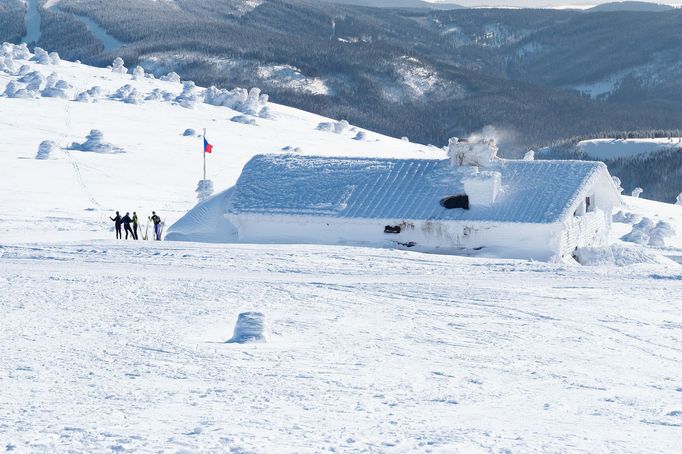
616, 182
40, 56
54, 58
189, 132
678, 201
34, 81
636, 192
7, 64
361, 135
56, 88
94, 94
253, 102
640, 232
405, 139
204, 190
338, 127
128, 94
265, 113
251, 327
138, 73
475, 153
21, 52
15, 90
159, 95
23, 70
189, 96
529, 156
626, 218
244, 119
45, 148
118, 66
658, 234
94, 142
171, 77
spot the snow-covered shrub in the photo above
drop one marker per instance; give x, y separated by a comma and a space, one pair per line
626, 218
117, 66
138, 73
475, 153
678, 201
23, 70
54, 58
40, 56
171, 77
6, 50
529, 156
640, 232
94, 94
361, 135
405, 139
7, 64
189, 132
56, 88
616, 182
159, 95
45, 148
15, 90
128, 94
21, 52
189, 96
265, 113
338, 127
636, 192
204, 190
94, 142
34, 80
251, 327
244, 119
658, 234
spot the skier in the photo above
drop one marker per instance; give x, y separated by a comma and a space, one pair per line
117, 224
126, 225
135, 224
157, 225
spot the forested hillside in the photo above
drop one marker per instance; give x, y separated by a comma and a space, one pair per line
536, 75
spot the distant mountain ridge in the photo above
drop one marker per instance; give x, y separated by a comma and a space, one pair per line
630, 6
536, 75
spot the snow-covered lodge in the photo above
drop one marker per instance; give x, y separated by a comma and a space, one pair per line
472, 202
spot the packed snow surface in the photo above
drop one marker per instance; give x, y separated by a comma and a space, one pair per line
121, 346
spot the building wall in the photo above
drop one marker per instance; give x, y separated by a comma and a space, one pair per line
514, 240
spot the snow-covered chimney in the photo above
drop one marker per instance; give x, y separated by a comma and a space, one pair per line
478, 153
482, 187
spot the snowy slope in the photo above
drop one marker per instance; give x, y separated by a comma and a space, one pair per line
625, 148
73, 192
119, 346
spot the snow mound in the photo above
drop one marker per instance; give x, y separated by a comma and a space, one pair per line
95, 143
244, 120
619, 256
42, 57
128, 94
648, 232
205, 223
204, 190
189, 132
171, 77
626, 217
118, 66
189, 97
251, 327
46, 148
56, 88
337, 127
660, 233
93, 94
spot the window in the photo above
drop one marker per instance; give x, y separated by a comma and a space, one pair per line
455, 201
589, 204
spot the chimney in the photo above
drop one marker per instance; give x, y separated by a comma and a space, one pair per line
482, 187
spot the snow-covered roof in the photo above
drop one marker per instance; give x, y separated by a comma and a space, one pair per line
406, 189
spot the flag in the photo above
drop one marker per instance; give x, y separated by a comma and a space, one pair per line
207, 146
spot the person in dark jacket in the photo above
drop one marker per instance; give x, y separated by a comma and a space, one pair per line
126, 225
117, 224
157, 225
135, 224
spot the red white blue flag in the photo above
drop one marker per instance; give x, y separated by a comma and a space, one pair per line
208, 148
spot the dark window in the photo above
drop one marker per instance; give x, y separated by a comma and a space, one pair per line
392, 229
455, 201
589, 205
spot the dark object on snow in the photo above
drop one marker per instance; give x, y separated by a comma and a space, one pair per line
117, 224
157, 225
408, 244
392, 229
455, 201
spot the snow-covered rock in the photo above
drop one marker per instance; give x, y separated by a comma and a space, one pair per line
678, 200
637, 192
189, 132
244, 119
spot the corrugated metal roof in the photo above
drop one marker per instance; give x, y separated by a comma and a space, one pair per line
405, 189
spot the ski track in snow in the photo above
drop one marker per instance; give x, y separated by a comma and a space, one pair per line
120, 346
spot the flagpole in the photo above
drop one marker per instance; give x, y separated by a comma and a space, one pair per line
204, 152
